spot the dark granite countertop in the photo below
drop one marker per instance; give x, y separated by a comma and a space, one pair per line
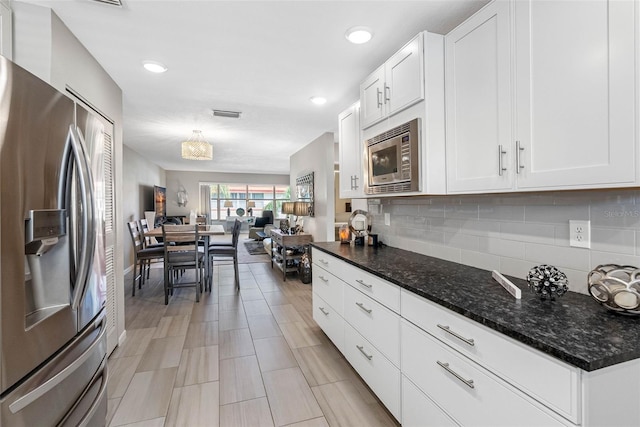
573, 328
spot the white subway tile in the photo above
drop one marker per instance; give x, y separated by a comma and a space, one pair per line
502, 212
613, 240
480, 260
515, 267
481, 228
577, 280
558, 214
446, 253
500, 247
461, 212
432, 211
615, 216
598, 258
576, 258
527, 232
461, 241
409, 210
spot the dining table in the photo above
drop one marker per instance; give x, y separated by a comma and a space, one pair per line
206, 232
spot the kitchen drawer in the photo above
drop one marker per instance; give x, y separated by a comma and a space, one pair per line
552, 382
420, 411
375, 369
468, 393
380, 290
328, 262
379, 325
329, 288
329, 321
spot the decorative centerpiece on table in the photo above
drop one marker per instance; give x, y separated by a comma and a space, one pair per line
617, 287
547, 281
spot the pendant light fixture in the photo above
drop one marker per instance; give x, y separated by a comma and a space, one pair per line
196, 148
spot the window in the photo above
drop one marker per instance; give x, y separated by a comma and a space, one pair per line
235, 196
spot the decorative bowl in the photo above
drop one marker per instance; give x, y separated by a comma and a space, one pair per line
617, 287
547, 281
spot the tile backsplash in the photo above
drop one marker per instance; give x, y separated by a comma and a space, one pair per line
512, 233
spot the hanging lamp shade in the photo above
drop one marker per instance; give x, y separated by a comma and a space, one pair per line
196, 148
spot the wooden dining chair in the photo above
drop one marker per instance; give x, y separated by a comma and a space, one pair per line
182, 252
228, 250
142, 256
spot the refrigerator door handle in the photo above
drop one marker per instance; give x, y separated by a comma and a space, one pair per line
88, 218
26, 400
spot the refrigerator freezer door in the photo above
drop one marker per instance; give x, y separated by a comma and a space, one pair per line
36, 318
60, 386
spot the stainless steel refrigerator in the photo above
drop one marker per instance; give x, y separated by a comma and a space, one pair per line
52, 279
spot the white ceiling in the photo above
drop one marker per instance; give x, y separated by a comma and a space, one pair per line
264, 58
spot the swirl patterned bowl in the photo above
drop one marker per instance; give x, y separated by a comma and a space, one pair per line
617, 287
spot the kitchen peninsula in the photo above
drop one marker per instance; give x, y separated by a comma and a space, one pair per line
450, 339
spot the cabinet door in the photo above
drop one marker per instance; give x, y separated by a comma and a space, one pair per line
478, 102
5, 32
575, 89
404, 81
350, 153
372, 98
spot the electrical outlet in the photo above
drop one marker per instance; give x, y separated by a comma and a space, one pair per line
580, 234
387, 218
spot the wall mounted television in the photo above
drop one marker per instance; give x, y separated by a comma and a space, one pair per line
160, 201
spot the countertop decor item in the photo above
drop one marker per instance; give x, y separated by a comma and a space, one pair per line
617, 287
547, 281
240, 212
360, 224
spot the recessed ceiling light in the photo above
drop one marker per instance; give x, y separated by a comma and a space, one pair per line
359, 35
318, 100
154, 67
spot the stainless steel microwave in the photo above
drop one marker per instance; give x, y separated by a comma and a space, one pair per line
393, 163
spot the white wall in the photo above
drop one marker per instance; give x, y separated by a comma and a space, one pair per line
139, 177
317, 157
191, 182
514, 232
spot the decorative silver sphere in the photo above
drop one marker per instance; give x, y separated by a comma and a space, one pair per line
547, 281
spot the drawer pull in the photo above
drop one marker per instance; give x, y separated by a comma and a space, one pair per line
369, 356
323, 279
468, 383
361, 305
326, 313
364, 284
324, 262
460, 337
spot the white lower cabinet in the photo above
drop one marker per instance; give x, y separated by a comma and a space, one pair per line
419, 411
469, 394
329, 320
375, 369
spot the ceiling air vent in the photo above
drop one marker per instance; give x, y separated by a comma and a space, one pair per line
110, 2
230, 114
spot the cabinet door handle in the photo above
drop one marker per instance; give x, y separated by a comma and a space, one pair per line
468, 383
355, 182
448, 330
501, 168
519, 149
361, 348
323, 312
387, 93
364, 284
324, 262
323, 279
378, 96
361, 305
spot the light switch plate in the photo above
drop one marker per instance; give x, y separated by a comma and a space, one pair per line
580, 234
387, 219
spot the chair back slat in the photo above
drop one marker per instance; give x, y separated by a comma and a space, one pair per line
136, 239
236, 233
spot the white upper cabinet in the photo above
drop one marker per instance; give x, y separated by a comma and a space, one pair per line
394, 86
478, 102
350, 153
6, 43
541, 95
575, 93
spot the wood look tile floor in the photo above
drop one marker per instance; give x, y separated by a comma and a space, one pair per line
251, 358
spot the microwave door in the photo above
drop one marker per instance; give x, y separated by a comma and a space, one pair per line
385, 162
